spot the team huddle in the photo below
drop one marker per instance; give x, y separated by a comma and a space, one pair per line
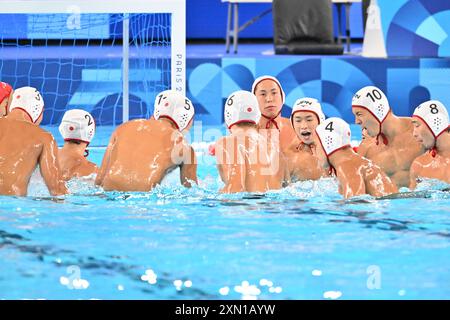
263, 151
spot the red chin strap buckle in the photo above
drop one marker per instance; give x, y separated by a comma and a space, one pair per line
385, 140
433, 152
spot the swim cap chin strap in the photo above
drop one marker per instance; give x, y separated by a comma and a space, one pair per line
272, 120
434, 151
332, 170
381, 134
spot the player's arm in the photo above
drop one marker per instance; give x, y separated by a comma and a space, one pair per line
106, 161
188, 168
353, 185
84, 169
231, 166
414, 174
378, 184
49, 167
220, 159
286, 180
236, 178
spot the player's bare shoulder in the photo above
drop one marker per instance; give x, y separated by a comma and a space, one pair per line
406, 123
139, 124
33, 133
370, 169
422, 160
407, 129
286, 122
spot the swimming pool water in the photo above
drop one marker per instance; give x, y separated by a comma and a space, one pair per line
303, 242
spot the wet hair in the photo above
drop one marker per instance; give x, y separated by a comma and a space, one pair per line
245, 125
74, 141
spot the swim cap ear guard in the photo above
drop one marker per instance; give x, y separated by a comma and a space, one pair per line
308, 105
5, 92
373, 100
77, 125
29, 100
435, 116
334, 134
174, 106
241, 107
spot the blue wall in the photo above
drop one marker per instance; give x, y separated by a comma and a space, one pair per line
419, 28
332, 80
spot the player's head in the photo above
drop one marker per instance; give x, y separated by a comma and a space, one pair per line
174, 106
430, 121
77, 126
270, 95
29, 101
241, 107
306, 116
333, 135
370, 107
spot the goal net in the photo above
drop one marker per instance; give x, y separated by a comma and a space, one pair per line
110, 58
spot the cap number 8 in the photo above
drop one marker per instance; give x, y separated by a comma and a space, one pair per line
433, 108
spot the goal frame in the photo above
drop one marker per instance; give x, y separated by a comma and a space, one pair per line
177, 9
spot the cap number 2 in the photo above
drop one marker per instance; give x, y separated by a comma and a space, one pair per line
89, 119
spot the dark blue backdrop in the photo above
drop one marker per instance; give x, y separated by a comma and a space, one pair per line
207, 19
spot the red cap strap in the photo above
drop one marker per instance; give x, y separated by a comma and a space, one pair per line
272, 120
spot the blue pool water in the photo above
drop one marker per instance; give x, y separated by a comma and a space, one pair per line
304, 242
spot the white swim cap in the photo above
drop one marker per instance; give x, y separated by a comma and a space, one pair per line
308, 105
174, 106
334, 134
262, 78
435, 116
373, 100
78, 125
29, 100
241, 106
